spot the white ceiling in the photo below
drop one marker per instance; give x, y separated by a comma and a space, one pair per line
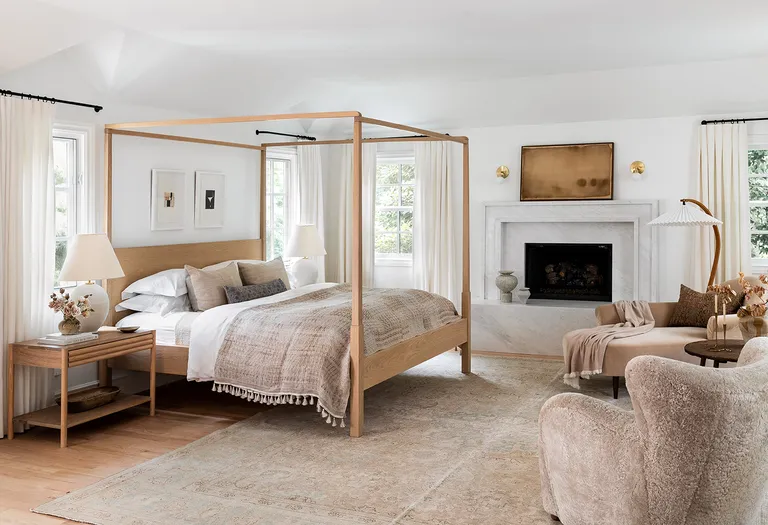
446, 62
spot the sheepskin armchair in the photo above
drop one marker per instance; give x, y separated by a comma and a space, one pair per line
693, 451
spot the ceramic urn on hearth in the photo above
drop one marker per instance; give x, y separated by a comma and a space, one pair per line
506, 282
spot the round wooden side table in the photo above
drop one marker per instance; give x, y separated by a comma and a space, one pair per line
714, 350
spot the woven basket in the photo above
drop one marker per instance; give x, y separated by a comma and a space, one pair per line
90, 398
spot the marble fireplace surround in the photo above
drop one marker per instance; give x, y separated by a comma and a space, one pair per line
621, 223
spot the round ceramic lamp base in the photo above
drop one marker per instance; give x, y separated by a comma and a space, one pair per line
304, 272
99, 302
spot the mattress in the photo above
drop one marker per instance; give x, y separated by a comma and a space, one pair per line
171, 329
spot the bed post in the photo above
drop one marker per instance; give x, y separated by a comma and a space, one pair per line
263, 204
466, 296
356, 342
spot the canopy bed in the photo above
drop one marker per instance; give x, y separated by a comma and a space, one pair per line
366, 369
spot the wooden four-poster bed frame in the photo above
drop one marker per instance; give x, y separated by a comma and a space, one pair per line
366, 371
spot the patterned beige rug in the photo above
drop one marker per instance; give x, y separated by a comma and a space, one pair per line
439, 448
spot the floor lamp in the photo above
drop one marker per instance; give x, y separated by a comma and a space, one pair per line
692, 216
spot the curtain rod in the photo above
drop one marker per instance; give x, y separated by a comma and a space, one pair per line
7, 93
732, 120
297, 137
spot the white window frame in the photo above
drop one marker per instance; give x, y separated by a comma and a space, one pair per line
759, 265
394, 259
83, 196
289, 155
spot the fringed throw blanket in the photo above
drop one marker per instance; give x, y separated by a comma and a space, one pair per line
297, 351
584, 350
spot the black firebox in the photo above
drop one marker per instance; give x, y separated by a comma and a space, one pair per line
574, 272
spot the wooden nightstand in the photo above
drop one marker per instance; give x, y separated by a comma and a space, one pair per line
110, 344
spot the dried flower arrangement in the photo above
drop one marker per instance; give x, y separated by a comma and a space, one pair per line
61, 302
754, 297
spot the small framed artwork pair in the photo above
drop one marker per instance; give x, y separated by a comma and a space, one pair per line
168, 198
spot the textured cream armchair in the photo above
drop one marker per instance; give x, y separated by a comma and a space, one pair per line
693, 452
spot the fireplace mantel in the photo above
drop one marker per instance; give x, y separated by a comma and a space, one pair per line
624, 224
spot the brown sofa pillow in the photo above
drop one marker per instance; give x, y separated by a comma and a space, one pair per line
695, 308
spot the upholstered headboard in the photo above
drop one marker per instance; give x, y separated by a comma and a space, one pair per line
142, 261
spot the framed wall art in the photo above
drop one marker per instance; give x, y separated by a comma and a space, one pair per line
567, 172
167, 205
209, 199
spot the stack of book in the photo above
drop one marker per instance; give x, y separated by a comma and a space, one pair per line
64, 340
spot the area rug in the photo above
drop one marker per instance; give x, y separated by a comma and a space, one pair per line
439, 448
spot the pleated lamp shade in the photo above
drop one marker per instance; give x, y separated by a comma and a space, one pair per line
685, 216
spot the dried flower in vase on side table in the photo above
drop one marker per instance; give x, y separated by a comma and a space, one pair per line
71, 309
752, 315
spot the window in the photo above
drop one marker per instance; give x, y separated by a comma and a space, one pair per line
278, 170
758, 203
394, 209
69, 195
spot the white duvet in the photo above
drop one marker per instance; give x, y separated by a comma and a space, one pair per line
210, 327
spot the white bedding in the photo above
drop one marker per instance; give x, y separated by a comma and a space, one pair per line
164, 326
210, 327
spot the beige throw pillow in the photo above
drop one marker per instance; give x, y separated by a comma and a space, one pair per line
208, 285
263, 272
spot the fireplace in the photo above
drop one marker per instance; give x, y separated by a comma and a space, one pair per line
573, 272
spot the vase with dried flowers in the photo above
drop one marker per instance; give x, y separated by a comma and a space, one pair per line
71, 308
752, 315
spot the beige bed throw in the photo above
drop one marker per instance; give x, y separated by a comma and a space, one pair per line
297, 351
584, 349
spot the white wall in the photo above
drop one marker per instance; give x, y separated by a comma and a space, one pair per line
133, 161
668, 146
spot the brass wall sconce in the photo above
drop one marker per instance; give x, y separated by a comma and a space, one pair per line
637, 169
502, 172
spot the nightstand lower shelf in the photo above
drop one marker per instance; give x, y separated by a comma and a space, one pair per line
51, 417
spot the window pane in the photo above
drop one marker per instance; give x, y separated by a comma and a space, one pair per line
61, 161
386, 221
408, 173
758, 218
387, 196
758, 161
760, 246
758, 189
387, 173
407, 196
61, 254
406, 243
62, 214
386, 243
406, 221
278, 177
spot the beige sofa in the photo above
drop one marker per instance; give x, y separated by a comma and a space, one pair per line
663, 340
693, 450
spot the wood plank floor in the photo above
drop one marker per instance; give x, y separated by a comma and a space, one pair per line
33, 469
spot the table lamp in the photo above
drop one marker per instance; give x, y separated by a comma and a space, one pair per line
305, 242
692, 216
90, 257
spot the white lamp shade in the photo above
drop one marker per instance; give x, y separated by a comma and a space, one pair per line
90, 257
685, 216
305, 241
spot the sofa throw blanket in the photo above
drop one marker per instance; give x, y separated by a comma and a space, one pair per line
584, 349
297, 351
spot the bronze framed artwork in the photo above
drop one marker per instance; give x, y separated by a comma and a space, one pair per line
567, 172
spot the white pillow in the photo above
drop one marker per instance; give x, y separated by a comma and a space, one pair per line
222, 264
169, 283
155, 304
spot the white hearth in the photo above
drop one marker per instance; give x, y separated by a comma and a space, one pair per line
537, 328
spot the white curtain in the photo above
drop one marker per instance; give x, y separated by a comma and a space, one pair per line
435, 264
345, 214
723, 188
27, 245
306, 194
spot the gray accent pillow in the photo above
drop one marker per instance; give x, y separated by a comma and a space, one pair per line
239, 294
